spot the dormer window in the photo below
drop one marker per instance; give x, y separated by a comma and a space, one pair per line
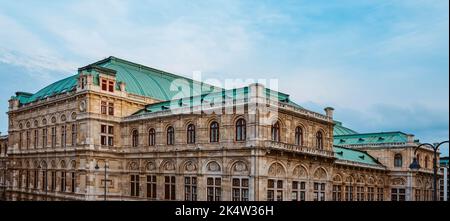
83, 82
104, 84
107, 85
111, 86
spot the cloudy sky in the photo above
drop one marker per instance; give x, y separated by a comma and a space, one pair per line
383, 65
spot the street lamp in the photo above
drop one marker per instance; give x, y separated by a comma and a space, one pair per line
105, 167
45, 181
415, 164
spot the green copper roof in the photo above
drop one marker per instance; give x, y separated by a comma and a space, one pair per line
371, 138
343, 153
61, 86
341, 130
216, 97
149, 82
139, 80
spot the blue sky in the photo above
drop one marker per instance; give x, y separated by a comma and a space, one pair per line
383, 65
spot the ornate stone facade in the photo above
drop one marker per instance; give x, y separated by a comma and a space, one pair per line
102, 140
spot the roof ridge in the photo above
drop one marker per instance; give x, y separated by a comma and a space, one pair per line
374, 133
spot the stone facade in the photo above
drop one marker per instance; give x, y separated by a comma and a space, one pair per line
88, 144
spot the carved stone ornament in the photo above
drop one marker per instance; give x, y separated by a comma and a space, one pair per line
300, 171
190, 166
82, 106
213, 167
240, 167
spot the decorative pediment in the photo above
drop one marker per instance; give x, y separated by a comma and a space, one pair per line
320, 174
398, 181
168, 166
276, 170
133, 165
213, 166
239, 167
300, 172
190, 166
150, 166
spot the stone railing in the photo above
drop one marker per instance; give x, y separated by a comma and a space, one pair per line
298, 149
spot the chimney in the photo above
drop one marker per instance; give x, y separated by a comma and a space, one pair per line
329, 112
122, 86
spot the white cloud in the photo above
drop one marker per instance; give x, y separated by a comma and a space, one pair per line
18, 46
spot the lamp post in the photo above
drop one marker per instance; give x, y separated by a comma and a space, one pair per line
105, 167
415, 164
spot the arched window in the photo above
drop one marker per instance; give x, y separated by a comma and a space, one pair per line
241, 130
276, 132
426, 162
214, 132
151, 137
398, 161
299, 136
135, 138
170, 135
319, 140
191, 134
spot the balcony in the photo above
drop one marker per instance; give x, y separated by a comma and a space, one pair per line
297, 149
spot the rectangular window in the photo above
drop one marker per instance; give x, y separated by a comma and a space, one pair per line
240, 190
44, 180
28, 139
104, 85
111, 86
380, 194
83, 82
398, 194
107, 135
370, 194
134, 185
63, 181
44, 138
111, 109
151, 187
337, 193
36, 177
74, 135
63, 136
214, 189
20, 140
274, 190
36, 139
359, 193
190, 188
20, 179
169, 187
27, 179
103, 140
319, 191
103, 107
53, 137
53, 178
298, 191
348, 193
73, 182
